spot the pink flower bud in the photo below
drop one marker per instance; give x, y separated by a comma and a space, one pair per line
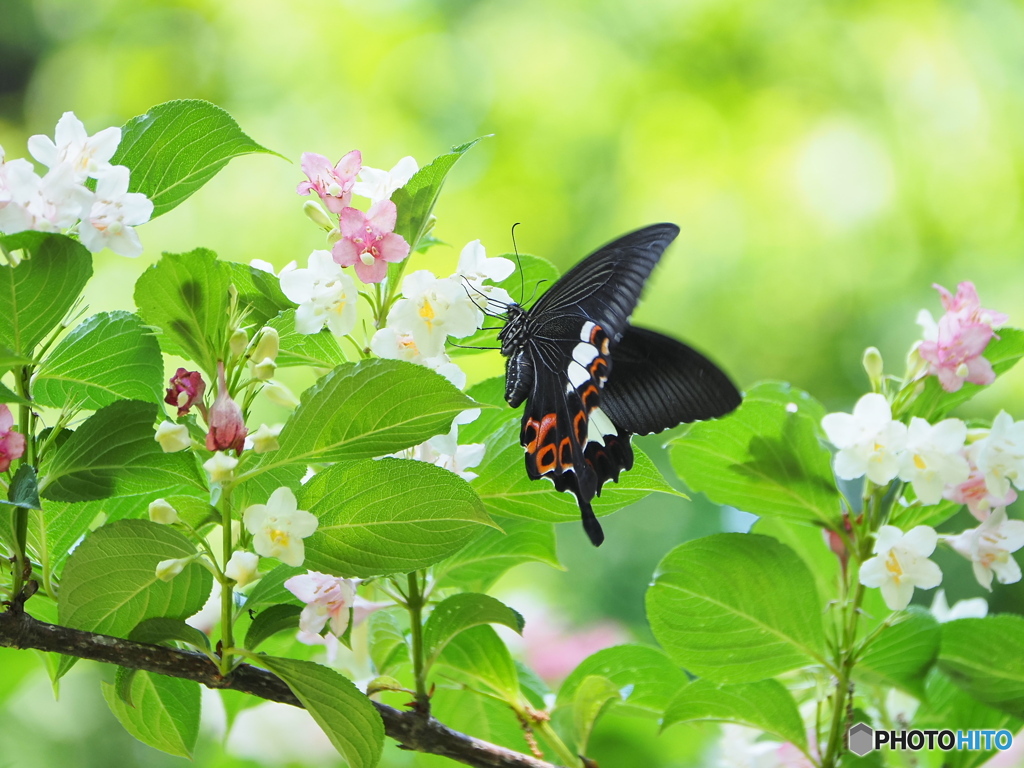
187, 389
227, 428
12, 444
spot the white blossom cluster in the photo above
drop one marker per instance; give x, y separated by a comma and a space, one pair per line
60, 201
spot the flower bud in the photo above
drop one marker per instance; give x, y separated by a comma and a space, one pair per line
264, 370
268, 346
242, 567
333, 237
873, 364
172, 437
264, 439
279, 394
168, 569
239, 341
227, 428
317, 215
163, 513
221, 468
187, 389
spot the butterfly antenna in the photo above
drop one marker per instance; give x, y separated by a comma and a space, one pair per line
522, 279
466, 285
466, 346
537, 288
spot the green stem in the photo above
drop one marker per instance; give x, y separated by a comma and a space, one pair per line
415, 603
26, 425
565, 755
227, 602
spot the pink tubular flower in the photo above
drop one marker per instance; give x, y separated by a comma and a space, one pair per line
187, 389
953, 347
369, 241
332, 183
227, 428
12, 444
327, 598
975, 494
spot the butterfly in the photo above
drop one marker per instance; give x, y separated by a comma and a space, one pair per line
591, 381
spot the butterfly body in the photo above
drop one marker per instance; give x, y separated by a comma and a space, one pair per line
590, 380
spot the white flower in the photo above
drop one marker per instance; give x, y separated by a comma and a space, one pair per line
86, 155
444, 450
221, 468
869, 441
264, 439
279, 526
392, 345
324, 293
901, 564
432, 310
1000, 456
160, 511
476, 267
933, 457
109, 222
14, 175
168, 569
975, 608
48, 204
988, 547
266, 266
243, 568
380, 185
172, 437
327, 598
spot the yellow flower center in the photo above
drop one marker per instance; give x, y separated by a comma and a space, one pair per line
279, 537
919, 462
892, 564
427, 312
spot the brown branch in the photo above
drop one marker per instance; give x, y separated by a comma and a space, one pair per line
410, 729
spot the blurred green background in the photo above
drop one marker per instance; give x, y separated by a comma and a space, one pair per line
827, 162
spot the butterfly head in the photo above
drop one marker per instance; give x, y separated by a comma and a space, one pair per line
519, 372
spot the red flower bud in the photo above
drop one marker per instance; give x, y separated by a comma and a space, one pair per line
227, 428
187, 389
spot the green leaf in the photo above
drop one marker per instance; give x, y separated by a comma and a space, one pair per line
165, 715
653, 678
481, 654
260, 292
460, 612
347, 717
270, 621
366, 409
178, 146
8, 396
108, 357
185, 295
736, 608
765, 705
388, 516
160, 630
934, 402
37, 294
985, 657
808, 541
114, 453
487, 392
270, 589
764, 458
536, 276
903, 653
416, 199
388, 647
23, 491
319, 350
506, 490
592, 697
8, 359
483, 561
110, 585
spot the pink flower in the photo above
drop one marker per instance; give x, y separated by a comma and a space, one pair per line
332, 183
187, 389
975, 494
227, 427
369, 241
327, 598
953, 347
12, 444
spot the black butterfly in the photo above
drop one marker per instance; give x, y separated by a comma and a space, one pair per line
591, 380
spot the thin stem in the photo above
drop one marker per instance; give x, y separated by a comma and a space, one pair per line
26, 425
227, 602
565, 755
415, 604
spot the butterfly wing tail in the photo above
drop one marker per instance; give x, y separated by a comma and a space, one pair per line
590, 523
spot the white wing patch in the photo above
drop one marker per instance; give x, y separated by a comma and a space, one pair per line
584, 353
578, 375
599, 425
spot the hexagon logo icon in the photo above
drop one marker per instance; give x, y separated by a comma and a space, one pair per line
861, 738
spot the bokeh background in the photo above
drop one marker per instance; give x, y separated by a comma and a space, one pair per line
827, 162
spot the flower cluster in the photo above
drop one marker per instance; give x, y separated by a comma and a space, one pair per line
60, 199
364, 240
